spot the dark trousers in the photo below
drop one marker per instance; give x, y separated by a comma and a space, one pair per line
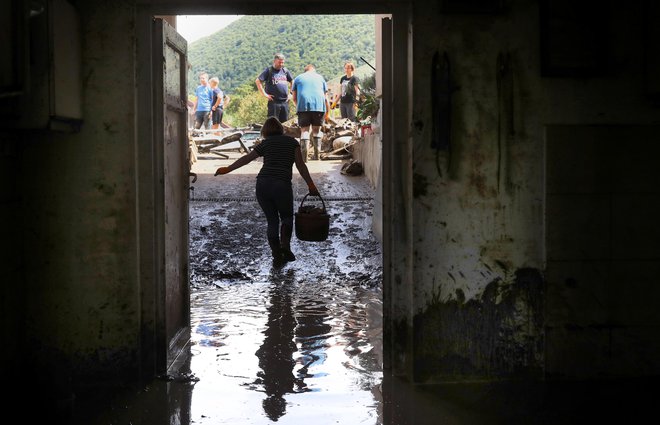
202, 118
279, 110
348, 111
275, 198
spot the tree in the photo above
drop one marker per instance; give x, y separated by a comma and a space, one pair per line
241, 51
252, 108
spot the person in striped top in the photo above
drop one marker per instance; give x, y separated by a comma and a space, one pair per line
273, 188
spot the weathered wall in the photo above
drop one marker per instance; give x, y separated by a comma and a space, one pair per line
603, 204
78, 216
11, 260
478, 274
369, 153
479, 280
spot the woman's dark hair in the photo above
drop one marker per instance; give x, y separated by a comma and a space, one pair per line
272, 127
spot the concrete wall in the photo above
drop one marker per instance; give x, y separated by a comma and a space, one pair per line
603, 204
78, 297
11, 256
480, 208
369, 153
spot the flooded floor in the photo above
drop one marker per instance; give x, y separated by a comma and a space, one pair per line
293, 344
302, 343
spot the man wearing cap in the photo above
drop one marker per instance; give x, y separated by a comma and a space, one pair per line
277, 86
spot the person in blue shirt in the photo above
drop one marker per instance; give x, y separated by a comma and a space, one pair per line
309, 95
274, 83
203, 100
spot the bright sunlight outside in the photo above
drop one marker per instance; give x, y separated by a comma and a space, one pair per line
194, 27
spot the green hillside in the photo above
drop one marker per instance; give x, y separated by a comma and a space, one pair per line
239, 52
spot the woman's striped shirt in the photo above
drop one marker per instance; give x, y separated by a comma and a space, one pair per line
279, 154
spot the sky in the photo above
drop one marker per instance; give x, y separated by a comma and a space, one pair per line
194, 27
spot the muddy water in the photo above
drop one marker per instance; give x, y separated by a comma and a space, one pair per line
298, 344
295, 344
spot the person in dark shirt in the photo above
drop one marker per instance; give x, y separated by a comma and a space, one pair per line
218, 104
274, 83
350, 92
273, 188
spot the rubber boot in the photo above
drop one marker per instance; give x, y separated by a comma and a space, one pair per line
303, 148
276, 250
285, 233
317, 143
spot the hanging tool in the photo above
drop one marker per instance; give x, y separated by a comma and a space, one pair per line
505, 125
441, 91
367, 63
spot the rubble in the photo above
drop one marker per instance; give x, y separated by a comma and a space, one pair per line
352, 168
339, 136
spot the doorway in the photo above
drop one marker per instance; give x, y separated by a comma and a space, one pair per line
277, 340
389, 153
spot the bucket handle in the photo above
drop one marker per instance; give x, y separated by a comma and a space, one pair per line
305, 197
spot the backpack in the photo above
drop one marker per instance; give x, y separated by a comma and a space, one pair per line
269, 76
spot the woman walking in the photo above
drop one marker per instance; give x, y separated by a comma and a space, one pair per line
273, 188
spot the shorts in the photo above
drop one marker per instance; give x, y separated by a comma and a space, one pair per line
217, 116
307, 118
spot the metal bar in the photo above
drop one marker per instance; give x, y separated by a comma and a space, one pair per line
370, 66
299, 199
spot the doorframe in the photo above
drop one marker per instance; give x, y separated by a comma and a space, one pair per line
396, 168
149, 240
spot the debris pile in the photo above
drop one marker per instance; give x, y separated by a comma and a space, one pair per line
339, 136
352, 168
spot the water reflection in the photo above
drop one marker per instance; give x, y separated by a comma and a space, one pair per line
311, 334
295, 342
276, 353
295, 345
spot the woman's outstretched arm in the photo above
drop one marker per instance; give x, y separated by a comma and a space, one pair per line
245, 159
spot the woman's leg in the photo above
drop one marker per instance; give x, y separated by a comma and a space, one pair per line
285, 243
285, 210
267, 202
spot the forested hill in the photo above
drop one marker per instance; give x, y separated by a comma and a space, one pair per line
239, 52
